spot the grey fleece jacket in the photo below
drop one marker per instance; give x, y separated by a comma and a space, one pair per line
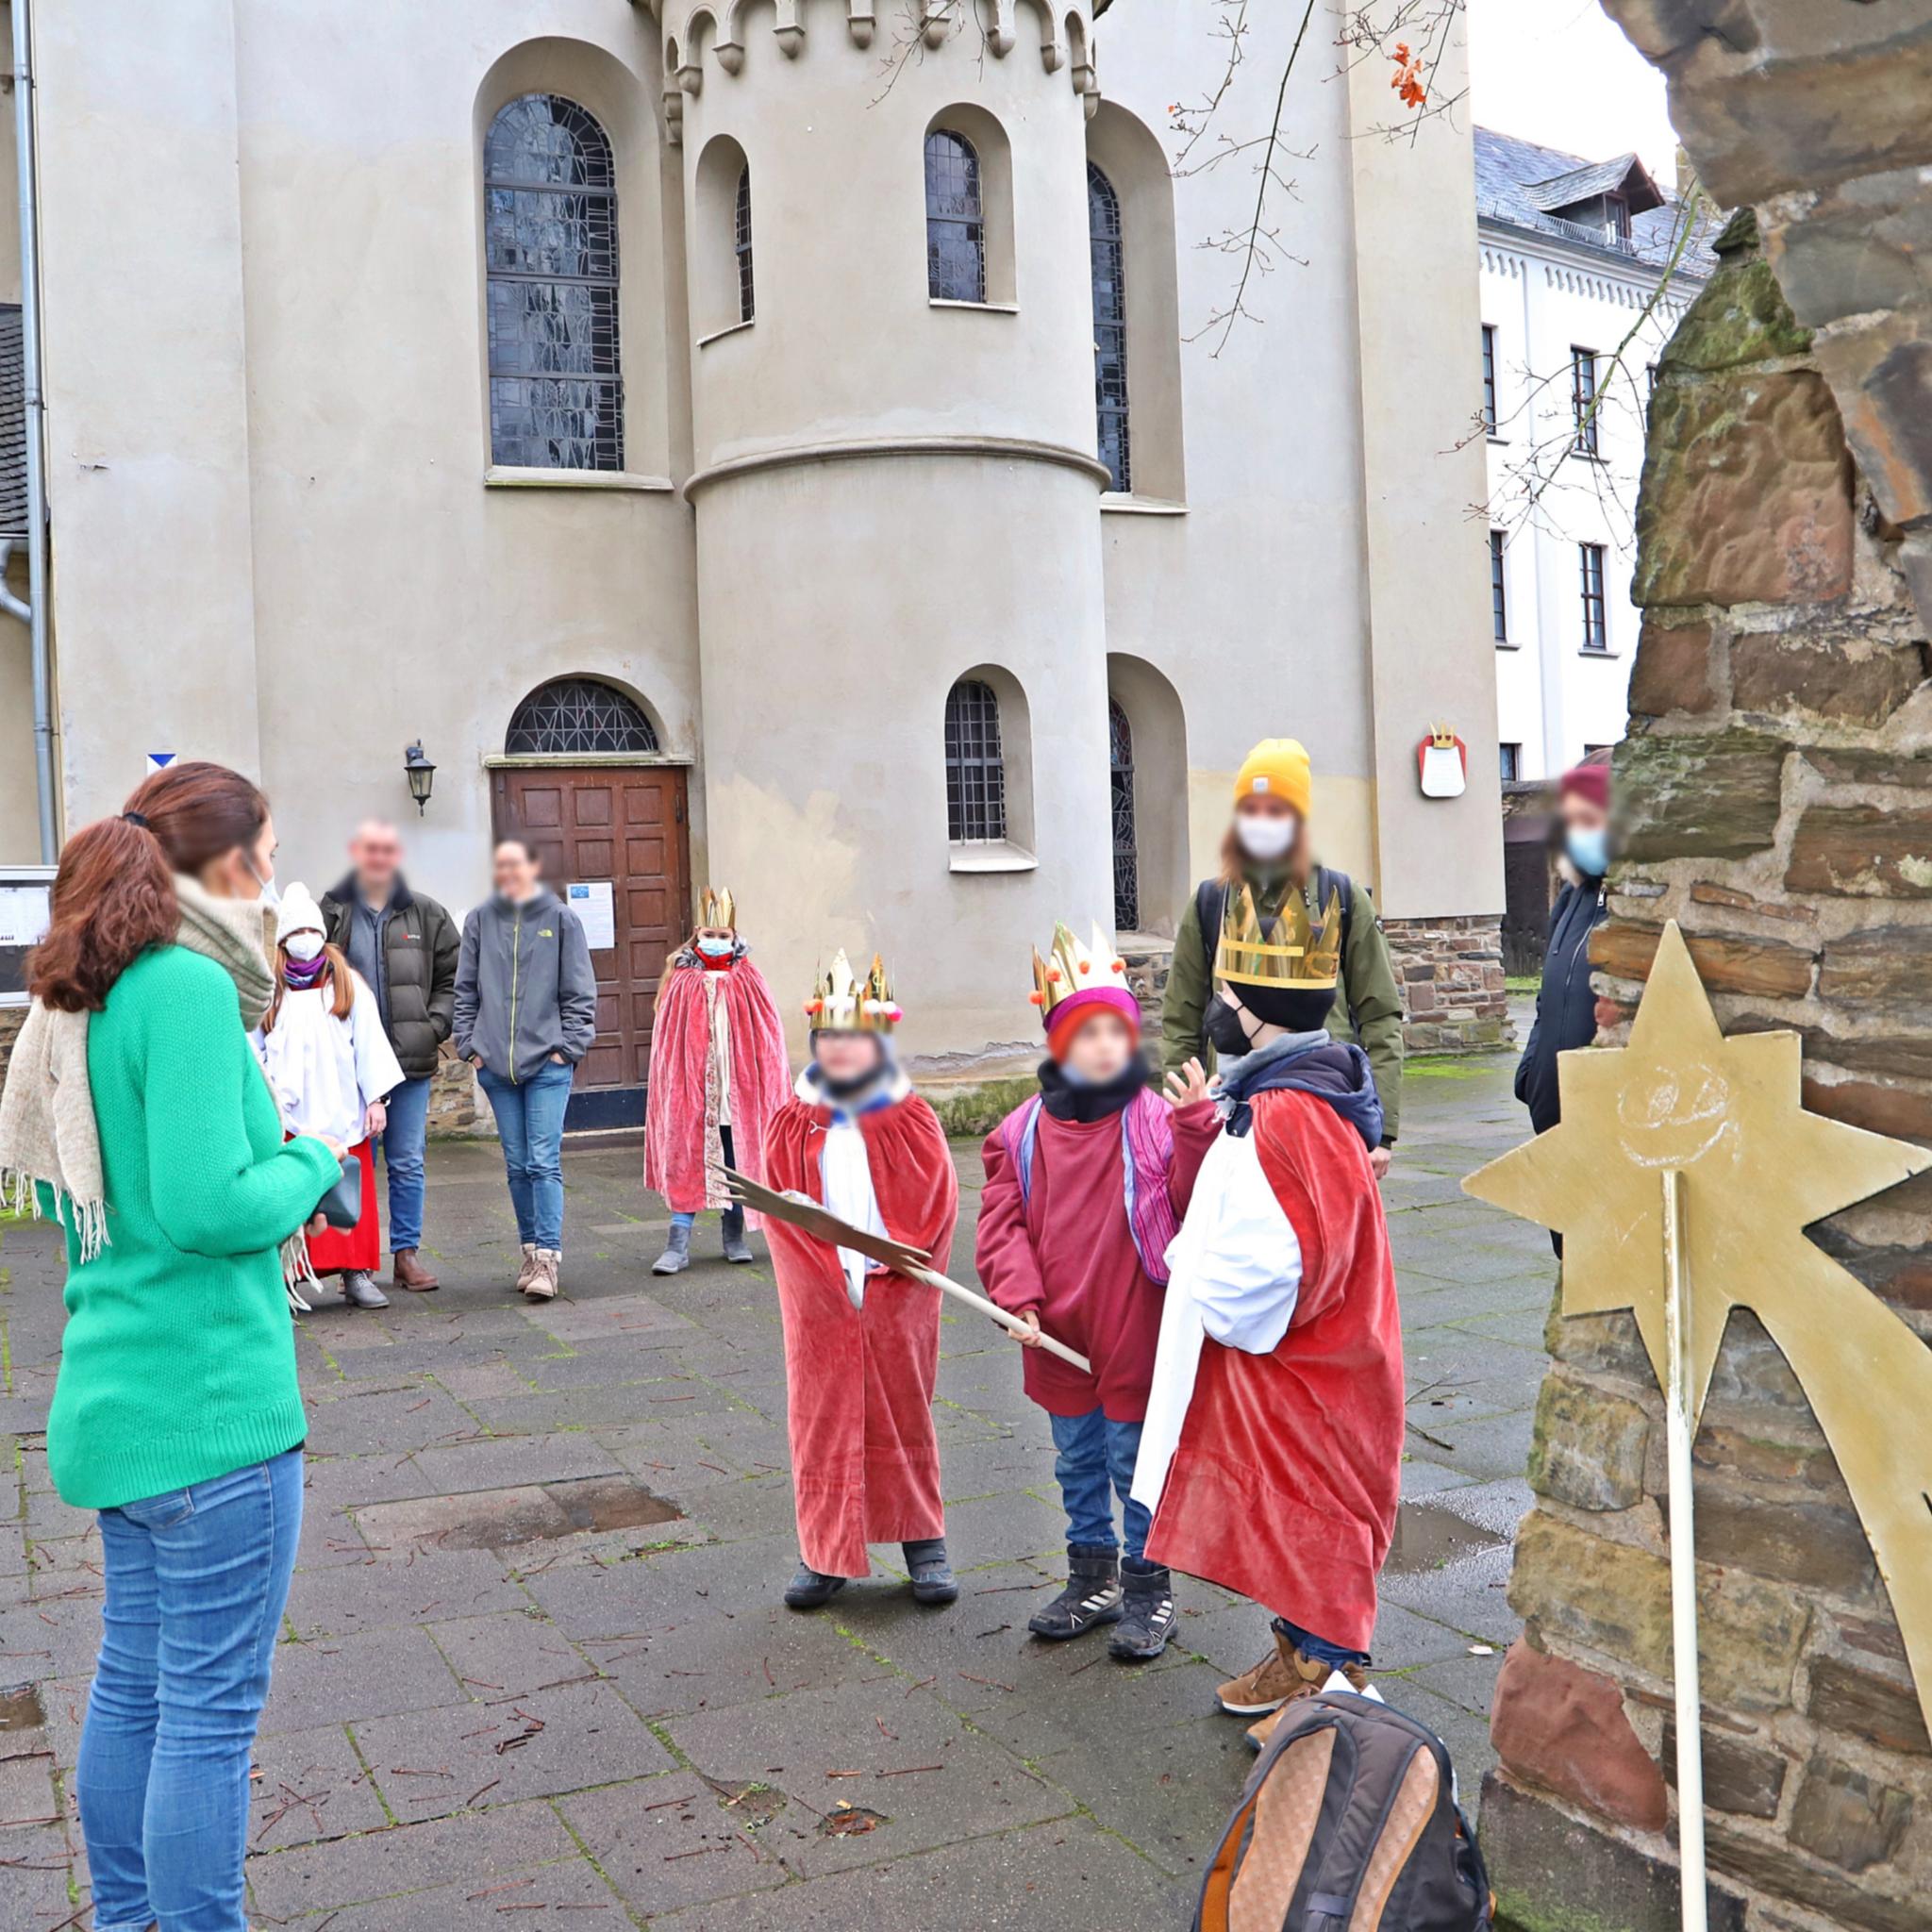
525, 988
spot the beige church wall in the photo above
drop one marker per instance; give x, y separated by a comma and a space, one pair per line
9, 179
20, 823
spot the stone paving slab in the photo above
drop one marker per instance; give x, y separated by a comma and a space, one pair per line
667, 1726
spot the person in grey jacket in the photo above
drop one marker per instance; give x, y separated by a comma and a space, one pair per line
526, 1013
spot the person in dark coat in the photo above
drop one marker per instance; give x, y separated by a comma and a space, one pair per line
405, 946
1566, 1005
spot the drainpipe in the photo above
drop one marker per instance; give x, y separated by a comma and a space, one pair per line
34, 411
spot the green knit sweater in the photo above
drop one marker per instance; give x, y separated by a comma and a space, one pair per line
178, 1361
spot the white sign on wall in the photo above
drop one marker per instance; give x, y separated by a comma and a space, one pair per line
595, 907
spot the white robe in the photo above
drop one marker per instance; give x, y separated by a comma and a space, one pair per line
845, 1175
325, 1072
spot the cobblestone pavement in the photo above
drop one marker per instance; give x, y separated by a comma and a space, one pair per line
516, 1689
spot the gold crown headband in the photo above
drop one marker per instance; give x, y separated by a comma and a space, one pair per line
1071, 967
1291, 950
842, 1002
718, 911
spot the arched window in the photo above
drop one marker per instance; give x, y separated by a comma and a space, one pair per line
570, 716
741, 244
1109, 324
955, 220
975, 768
1126, 855
550, 238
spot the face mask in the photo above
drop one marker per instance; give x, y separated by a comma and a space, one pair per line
717, 949
270, 894
1266, 838
1226, 1033
303, 945
1589, 848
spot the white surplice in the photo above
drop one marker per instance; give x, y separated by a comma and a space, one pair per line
325, 1072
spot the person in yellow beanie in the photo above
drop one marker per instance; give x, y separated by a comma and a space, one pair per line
1268, 848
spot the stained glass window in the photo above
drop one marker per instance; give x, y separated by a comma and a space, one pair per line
975, 767
574, 715
955, 220
550, 238
740, 241
1109, 326
1127, 856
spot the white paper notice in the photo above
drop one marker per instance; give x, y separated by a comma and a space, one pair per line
592, 903
24, 914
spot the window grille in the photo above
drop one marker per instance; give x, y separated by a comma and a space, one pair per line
1109, 324
1488, 378
975, 769
1596, 636
1509, 762
1583, 400
1127, 856
572, 716
1499, 604
955, 220
549, 236
740, 241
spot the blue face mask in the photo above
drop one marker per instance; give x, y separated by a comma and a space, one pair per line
1589, 848
716, 949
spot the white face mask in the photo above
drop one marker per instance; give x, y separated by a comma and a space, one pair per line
303, 945
1266, 838
270, 893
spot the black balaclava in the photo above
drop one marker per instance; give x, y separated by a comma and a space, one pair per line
1295, 1008
843, 1091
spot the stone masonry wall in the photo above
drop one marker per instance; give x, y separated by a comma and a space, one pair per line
1451, 974
1776, 794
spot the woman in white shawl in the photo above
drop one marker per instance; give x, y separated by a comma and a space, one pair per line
331, 1065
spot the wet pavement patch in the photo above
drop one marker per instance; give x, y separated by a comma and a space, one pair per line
1428, 1535
19, 1708
524, 1513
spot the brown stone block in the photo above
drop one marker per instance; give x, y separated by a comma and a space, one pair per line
1867, 850
1852, 1820
1730, 1450
1560, 1726
1600, 1344
1862, 765
1741, 317
1702, 795
1909, 1059
1881, 368
1767, 968
1897, 1111
1776, 1869
1740, 1777
1875, 1707
1704, 893
1848, 684
1817, 1545
1746, 495
1860, 248
1673, 670
1587, 1448
1881, 966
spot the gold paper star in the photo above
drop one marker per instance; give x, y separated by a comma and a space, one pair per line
1757, 1171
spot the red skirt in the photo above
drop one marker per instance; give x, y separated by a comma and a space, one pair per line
337, 1249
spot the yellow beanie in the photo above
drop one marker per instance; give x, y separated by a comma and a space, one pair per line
1280, 767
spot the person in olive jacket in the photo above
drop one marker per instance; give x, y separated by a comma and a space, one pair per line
406, 947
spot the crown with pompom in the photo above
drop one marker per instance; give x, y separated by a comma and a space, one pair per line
1295, 949
1076, 975
842, 1002
718, 911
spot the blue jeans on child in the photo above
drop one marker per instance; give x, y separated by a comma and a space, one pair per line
1095, 1463
196, 1581
1317, 1649
403, 1142
529, 1122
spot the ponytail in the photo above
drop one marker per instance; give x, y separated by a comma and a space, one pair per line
113, 898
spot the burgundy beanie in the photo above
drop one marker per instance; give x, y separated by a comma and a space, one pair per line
1588, 780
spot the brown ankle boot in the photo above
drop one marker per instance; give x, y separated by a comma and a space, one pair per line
406, 1272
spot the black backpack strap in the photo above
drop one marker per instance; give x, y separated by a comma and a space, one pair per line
1328, 882
1210, 908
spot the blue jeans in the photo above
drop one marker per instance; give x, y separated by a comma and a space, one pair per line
1095, 1453
1317, 1649
529, 1122
196, 1582
402, 1143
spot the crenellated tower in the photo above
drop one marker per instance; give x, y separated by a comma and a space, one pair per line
895, 484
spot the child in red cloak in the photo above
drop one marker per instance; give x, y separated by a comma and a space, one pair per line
1086, 1184
1272, 1453
862, 1341
718, 1076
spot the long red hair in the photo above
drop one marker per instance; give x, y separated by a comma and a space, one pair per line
114, 894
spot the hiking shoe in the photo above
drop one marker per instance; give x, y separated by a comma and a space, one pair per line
677, 1255
359, 1290
811, 1590
1149, 1615
529, 1267
406, 1270
933, 1581
542, 1285
1315, 1676
1283, 1673
736, 1247
1092, 1594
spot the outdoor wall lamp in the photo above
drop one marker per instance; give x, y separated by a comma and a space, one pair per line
421, 774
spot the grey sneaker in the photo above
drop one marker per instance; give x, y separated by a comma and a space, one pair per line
359, 1290
677, 1255
736, 1247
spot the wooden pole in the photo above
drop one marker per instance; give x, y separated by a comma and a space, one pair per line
1683, 1559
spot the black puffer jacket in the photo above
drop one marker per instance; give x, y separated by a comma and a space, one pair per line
1566, 1006
417, 988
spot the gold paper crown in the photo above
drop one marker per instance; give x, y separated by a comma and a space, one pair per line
841, 1002
718, 911
1071, 967
1293, 951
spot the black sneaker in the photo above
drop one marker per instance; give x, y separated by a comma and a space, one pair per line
1092, 1594
932, 1577
811, 1590
1149, 1616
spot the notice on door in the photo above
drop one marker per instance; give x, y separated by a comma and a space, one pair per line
596, 910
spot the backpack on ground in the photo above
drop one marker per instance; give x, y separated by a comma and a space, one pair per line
1348, 1824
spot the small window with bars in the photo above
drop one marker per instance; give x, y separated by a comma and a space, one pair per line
740, 246
1509, 762
955, 220
1488, 378
1583, 410
1596, 636
1499, 597
975, 766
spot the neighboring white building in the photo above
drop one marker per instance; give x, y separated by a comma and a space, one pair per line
1571, 252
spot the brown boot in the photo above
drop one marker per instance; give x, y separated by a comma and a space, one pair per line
1312, 1676
406, 1272
542, 1285
529, 1267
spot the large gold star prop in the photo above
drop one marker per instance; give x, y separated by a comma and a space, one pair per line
1756, 1170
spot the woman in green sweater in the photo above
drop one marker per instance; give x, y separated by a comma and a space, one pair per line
136, 1111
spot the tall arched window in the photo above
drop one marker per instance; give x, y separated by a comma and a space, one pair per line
570, 716
1127, 853
550, 238
975, 767
955, 220
1109, 324
741, 244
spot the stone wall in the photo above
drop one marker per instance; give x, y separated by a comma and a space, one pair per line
1776, 794
1451, 974
12, 1019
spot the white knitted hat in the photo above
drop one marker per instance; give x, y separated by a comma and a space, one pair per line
298, 912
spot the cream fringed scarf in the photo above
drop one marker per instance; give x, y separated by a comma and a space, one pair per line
47, 1130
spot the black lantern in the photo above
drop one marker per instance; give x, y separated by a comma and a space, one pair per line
421, 774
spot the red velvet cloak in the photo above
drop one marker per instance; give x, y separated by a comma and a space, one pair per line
865, 1459
683, 1156
1285, 1482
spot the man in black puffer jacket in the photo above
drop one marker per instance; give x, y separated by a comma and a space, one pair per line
405, 945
